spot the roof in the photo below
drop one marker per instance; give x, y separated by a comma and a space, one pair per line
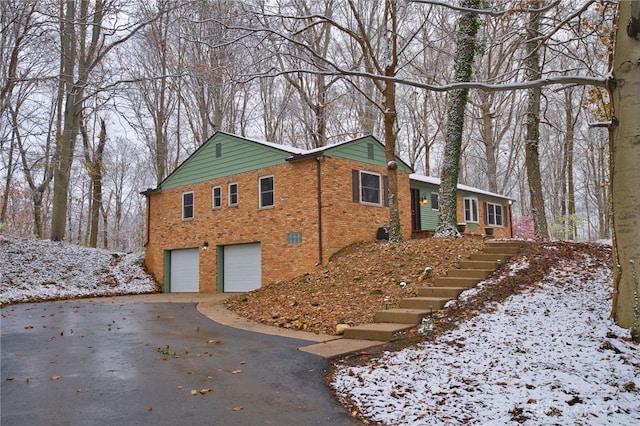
436, 181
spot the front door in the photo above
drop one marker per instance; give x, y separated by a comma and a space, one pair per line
416, 225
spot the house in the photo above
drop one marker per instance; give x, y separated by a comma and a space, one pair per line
239, 214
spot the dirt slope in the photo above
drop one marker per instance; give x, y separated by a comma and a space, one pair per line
353, 284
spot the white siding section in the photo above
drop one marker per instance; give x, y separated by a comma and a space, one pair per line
242, 267
185, 271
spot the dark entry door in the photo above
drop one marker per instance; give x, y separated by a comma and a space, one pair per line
416, 225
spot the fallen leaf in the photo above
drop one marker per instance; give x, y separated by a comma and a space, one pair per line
238, 408
55, 377
79, 390
194, 392
149, 408
27, 380
213, 341
236, 372
9, 379
205, 390
180, 387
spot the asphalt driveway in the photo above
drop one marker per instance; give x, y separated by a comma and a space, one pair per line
97, 363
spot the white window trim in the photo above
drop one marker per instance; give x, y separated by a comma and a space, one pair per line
273, 191
380, 189
494, 215
473, 201
193, 205
213, 197
237, 193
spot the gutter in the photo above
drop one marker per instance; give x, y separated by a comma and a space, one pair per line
319, 198
147, 193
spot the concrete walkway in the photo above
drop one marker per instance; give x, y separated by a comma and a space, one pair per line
212, 306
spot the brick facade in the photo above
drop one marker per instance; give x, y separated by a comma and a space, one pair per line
295, 210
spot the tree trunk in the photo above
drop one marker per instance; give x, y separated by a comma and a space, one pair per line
532, 142
468, 25
625, 173
390, 116
93, 162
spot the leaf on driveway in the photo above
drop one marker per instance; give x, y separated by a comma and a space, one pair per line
236, 371
205, 390
56, 377
194, 392
238, 408
213, 341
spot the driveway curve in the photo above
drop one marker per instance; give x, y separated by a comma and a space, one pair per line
122, 361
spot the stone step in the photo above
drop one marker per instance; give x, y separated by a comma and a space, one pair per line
501, 250
401, 315
424, 302
456, 282
504, 243
450, 292
478, 264
470, 273
378, 331
489, 257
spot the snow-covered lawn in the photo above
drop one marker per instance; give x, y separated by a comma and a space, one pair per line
33, 270
550, 355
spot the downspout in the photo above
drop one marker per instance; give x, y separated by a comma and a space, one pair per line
147, 195
319, 198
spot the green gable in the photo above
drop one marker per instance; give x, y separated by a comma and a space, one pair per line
366, 150
224, 155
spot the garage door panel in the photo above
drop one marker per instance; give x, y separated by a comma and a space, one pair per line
185, 271
242, 267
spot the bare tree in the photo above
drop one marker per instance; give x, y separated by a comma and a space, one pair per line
85, 40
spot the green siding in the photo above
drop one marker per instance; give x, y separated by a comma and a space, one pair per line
237, 155
359, 150
429, 216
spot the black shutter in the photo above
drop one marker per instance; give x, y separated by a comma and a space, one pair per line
385, 190
355, 185
486, 213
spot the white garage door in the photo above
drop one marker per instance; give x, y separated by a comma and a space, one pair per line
185, 271
242, 267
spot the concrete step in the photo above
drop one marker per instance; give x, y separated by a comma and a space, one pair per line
378, 331
478, 264
501, 250
489, 257
450, 292
504, 243
456, 282
470, 273
401, 315
424, 302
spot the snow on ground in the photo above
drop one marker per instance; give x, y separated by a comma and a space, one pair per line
550, 355
32, 270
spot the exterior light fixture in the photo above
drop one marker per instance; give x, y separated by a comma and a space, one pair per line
424, 199
205, 245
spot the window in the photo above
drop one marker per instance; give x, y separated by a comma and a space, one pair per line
435, 201
216, 197
233, 194
471, 210
187, 206
266, 192
494, 214
370, 188
218, 150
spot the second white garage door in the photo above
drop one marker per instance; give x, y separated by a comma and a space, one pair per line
242, 267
